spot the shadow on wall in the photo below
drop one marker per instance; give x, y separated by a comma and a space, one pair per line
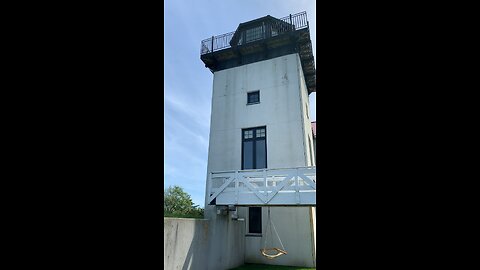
198, 252
185, 243
227, 241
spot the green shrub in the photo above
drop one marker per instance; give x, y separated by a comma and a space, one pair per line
178, 203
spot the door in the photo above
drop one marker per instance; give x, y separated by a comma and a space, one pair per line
254, 148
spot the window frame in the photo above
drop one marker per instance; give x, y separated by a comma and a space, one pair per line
253, 92
254, 151
257, 234
254, 33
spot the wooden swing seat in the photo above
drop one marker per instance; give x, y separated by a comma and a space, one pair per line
280, 252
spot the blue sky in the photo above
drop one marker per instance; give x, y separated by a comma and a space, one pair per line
188, 84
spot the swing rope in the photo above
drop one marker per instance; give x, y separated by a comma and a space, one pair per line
264, 250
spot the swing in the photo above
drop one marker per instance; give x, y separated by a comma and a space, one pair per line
267, 252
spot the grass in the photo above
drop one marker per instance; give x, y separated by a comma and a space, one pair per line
269, 267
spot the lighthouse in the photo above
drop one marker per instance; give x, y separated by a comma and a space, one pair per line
261, 172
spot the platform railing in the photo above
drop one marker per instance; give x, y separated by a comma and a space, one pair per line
289, 186
220, 42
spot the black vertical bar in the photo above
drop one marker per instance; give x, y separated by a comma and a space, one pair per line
212, 42
243, 139
264, 139
291, 21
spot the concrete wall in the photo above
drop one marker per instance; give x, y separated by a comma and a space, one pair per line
307, 124
293, 225
226, 242
282, 109
185, 243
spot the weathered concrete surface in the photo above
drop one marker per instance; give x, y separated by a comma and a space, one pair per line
185, 243
283, 110
227, 241
293, 225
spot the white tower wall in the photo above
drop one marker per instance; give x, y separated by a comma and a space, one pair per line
283, 109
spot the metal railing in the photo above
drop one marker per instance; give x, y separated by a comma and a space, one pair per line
291, 186
217, 43
290, 23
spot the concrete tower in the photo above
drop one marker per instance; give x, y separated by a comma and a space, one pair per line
261, 152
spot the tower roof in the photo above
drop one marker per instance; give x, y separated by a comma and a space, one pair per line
276, 25
262, 39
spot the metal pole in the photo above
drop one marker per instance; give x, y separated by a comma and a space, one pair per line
291, 22
212, 42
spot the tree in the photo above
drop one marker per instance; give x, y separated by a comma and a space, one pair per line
178, 203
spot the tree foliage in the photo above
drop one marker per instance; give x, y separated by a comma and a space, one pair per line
178, 203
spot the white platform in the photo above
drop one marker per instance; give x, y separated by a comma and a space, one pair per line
265, 187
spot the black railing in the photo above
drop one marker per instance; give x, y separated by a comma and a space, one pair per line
217, 43
290, 23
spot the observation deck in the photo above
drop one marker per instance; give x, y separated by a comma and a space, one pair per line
262, 39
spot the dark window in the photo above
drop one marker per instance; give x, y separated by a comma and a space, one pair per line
248, 154
261, 156
253, 97
254, 33
274, 32
255, 220
254, 148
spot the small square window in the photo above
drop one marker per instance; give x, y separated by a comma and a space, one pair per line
253, 97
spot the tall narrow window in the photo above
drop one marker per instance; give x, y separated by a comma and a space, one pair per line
254, 148
254, 220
